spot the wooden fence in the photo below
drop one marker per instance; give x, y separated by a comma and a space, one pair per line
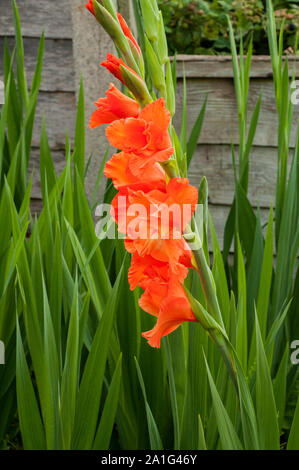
212, 75
57, 100
213, 158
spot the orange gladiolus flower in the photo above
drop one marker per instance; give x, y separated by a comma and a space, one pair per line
170, 304
154, 220
166, 211
127, 32
146, 136
173, 207
169, 251
127, 176
115, 106
144, 268
90, 7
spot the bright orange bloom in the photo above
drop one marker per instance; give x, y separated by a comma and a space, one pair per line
125, 176
178, 196
113, 63
127, 32
90, 7
146, 136
115, 106
155, 293
169, 251
145, 268
167, 211
170, 304
151, 213
158, 118
155, 220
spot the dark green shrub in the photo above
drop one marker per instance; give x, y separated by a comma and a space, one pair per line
200, 26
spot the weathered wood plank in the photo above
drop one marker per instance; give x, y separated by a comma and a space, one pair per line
52, 16
58, 66
60, 113
215, 162
221, 120
202, 66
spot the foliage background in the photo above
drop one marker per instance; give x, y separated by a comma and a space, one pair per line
200, 26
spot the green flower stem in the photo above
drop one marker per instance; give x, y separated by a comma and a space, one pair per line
227, 358
208, 285
207, 282
206, 277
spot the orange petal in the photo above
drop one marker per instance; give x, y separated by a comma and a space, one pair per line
127, 32
158, 118
186, 258
157, 113
186, 196
120, 104
151, 174
101, 116
127, 134
115, 106
173, 312
151, 300
182, 192
117, 169
146, 159
146, 268
161, 249
90, 7
129, 246
112, 64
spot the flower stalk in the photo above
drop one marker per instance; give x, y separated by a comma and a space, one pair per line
176, 304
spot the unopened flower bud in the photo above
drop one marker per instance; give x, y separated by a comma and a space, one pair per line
113, 28
157, 69
109, 5
150, 19
170, 89
162, 48
136, 85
